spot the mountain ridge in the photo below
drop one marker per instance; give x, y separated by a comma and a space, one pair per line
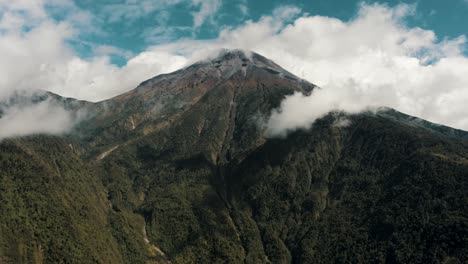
170, 95
180, 170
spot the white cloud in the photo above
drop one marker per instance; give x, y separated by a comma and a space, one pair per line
105, 50
208, 8
286, 12
131, 10
243, 7
30, 8
41, 59
164, 34
41, 118
371, 61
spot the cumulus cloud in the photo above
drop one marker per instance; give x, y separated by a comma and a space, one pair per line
371, 61
41, 58
300, 111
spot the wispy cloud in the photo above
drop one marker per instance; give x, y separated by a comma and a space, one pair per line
207, 11
285, 13
164, 34
132, 10
106, 50
243, 7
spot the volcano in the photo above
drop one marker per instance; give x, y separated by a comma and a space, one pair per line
182, 170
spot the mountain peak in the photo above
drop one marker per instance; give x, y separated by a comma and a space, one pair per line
224, 65
222, 90
226, 54
241, 59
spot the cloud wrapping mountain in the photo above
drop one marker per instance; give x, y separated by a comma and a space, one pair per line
45, 117
372, 59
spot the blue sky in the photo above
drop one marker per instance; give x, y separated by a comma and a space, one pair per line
134, 25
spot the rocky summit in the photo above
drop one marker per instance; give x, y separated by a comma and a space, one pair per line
182, 170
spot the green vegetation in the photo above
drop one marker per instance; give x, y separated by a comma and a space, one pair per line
52, 208
189, 177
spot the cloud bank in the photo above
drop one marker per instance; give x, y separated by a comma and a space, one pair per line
372, 59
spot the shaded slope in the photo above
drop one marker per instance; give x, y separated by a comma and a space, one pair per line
212, 188
376, 191
170, 175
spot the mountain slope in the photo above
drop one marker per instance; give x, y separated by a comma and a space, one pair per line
52, 208
183, 172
